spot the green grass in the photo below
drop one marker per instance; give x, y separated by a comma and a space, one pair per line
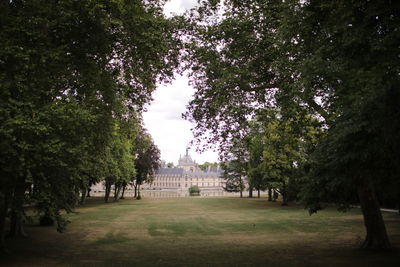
203, 232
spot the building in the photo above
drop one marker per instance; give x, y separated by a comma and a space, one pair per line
186, 174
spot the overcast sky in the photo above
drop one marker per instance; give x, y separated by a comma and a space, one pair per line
163, 119
178, 6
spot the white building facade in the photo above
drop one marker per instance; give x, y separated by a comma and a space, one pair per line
185, 175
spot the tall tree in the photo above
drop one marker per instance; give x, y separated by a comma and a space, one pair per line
334, 60
351, 63
147, 160
69, 69
256, 174
235, 166
234, 173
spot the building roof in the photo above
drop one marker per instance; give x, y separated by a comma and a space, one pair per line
203, 174
182, 169
170, 171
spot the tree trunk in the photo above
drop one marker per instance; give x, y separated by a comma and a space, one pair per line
269, 194
17, 216
88, 192
398, 202
275, 196
4, 203
108, 191
241, 193
123, 192
250, 191
17, 222
258, 193
375, 227
83, 196
117, 191
135, 186
284, 199
30, 191
284, 195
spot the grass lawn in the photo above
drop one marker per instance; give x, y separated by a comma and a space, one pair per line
202, 232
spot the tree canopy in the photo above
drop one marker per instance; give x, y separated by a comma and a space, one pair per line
147, 159
300, 96
74, 77
334, 61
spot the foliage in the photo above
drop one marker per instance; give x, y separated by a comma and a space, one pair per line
285, 145
194, 190
74, 78
147, 160
334, 61
234, 173
206, 165
170, 165
360, 73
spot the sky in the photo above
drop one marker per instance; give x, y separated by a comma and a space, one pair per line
178, 6
163, 118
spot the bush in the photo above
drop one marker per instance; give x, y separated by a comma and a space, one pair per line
194, 190
46, 220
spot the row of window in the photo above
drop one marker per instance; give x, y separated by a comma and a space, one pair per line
171, 179
186, 184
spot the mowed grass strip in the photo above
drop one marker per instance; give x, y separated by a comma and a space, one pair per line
203, 232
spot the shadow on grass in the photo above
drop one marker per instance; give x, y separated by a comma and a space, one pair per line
112, 238
202, 232
193, 226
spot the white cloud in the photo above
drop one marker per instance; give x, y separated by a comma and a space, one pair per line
188, 4
178, 6
163, 120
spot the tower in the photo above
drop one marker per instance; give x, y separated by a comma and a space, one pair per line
187, 163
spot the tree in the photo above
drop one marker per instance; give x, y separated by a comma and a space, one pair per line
194, 190
147, 160
255, 146
170, 165
207, 165
360, 88
234, 173
69, 70
333, 60
120, 157
279, 150
256, 180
